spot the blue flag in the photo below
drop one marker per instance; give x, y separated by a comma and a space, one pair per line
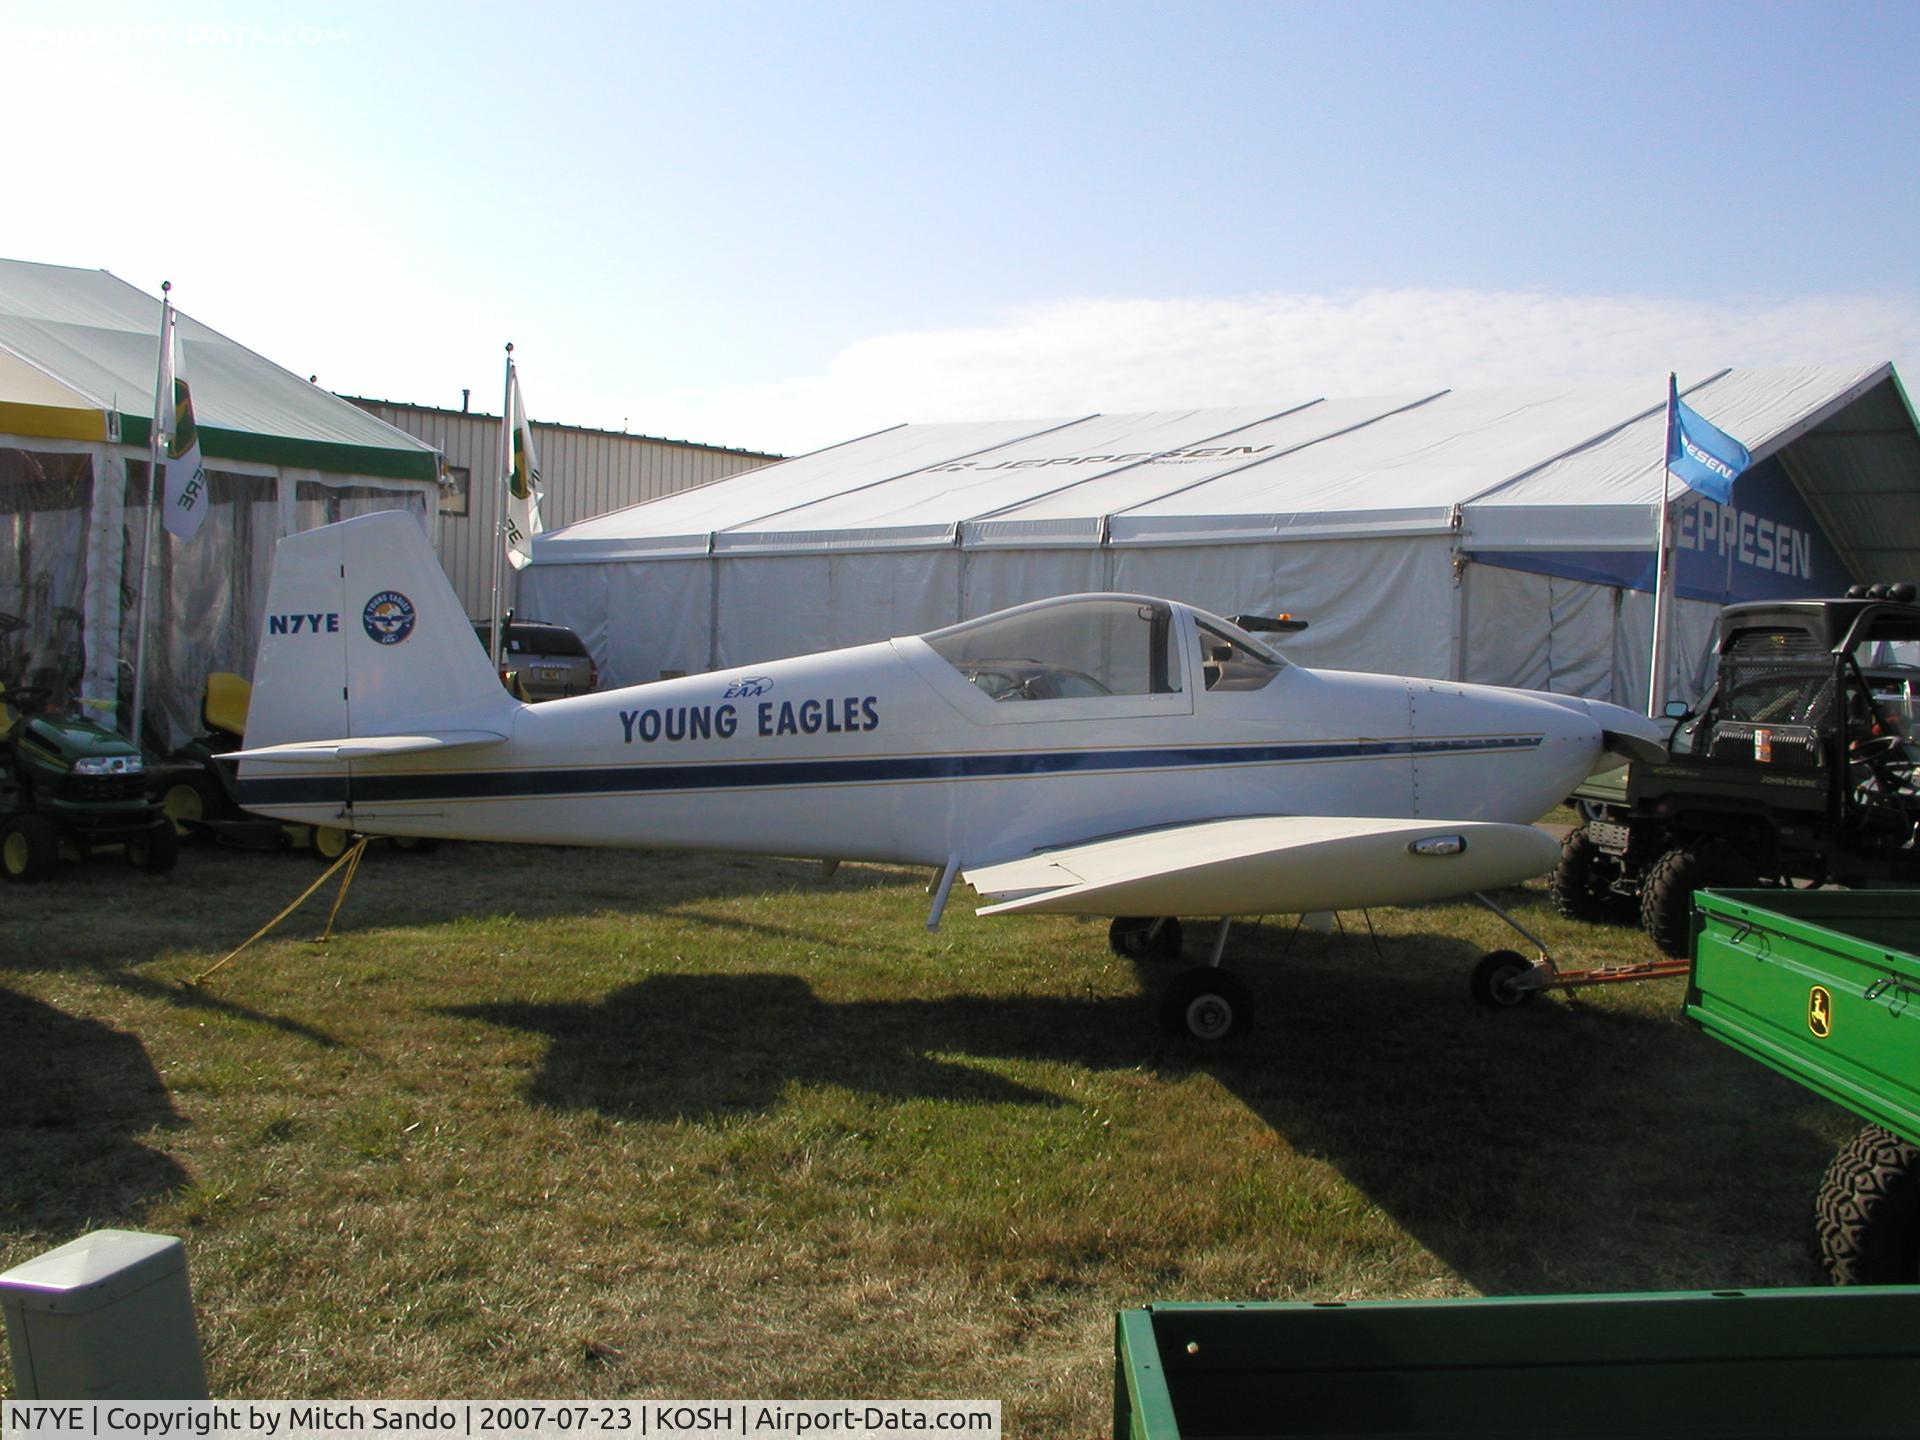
1704, 456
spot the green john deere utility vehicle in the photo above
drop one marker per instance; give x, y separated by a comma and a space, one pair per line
68, 787
1796, 769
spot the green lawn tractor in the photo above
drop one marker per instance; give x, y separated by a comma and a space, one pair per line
69, 787
198, 786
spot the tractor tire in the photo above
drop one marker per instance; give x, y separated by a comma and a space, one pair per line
330, 843
29, 847
188, 802
1867, 1213
1582, 883
156, 851
1666, 896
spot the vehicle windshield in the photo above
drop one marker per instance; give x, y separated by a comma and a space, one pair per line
1077, 648
1776, 679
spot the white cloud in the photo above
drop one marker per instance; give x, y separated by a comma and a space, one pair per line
1115, 355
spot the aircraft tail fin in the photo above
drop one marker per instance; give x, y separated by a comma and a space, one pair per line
364, 636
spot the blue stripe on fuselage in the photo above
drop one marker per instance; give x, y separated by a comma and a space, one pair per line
388, 787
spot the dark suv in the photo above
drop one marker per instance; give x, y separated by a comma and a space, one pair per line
549, 662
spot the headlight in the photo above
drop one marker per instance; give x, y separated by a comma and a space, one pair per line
109, 765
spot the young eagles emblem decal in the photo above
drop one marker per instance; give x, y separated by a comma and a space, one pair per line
388, 617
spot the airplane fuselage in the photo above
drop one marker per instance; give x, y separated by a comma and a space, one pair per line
890, 752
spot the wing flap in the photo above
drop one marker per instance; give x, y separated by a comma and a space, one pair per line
368, 747
1267, 865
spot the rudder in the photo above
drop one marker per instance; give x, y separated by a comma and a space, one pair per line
365, 636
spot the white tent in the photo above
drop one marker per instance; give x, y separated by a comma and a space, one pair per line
79, 359
1504, 536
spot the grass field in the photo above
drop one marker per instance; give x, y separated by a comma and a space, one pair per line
569, 1123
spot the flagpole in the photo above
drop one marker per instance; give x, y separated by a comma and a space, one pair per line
1663, 566
162, 407
500, 505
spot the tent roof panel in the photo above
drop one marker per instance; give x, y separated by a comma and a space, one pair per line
100, 338
1627, 465
22, 383
682, 523
1432, 456
1059, 460
1081, 509
1548, 467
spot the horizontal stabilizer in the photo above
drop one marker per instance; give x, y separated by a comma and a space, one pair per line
368, 747
1267, 865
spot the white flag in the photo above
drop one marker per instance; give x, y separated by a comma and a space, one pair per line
523, 494
186, 487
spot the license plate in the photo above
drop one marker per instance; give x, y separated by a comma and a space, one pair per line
1611, 838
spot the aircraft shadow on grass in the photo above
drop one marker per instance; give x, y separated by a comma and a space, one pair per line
455, 882
1375, 1062
74, 1095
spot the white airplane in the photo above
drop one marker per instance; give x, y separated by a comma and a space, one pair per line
1111, 755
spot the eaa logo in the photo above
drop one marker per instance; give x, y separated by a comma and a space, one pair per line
388, 617
748, 688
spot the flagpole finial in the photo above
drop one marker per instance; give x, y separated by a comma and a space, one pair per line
509, 347
166, 286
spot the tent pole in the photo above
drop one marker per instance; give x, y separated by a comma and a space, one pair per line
1662, 574
1462, 601
162, 412
505, 467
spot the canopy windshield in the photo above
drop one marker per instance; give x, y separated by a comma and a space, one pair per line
1058, 649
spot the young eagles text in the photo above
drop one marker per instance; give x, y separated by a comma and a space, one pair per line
769, 719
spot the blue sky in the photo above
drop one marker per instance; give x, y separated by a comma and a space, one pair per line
779, 225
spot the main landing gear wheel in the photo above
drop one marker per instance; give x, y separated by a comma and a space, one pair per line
1135, 937
1496, 978
1206, 1004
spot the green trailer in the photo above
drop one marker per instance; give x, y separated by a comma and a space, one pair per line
1824, 986
1803, 1363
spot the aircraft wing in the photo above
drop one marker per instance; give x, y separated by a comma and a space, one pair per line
367, 747
1267, 865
